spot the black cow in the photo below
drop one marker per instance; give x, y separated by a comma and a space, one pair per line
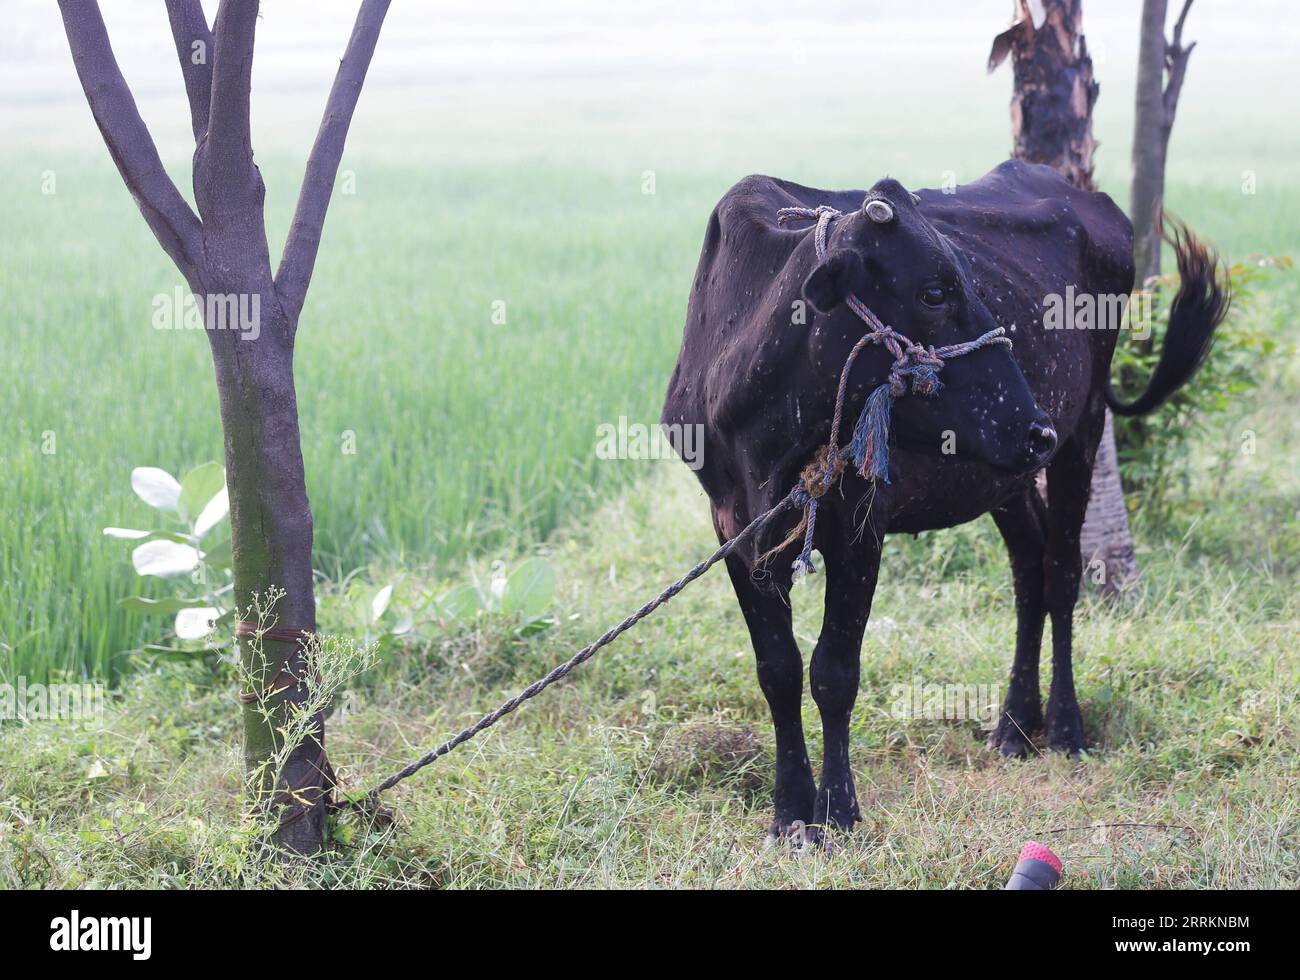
766, 336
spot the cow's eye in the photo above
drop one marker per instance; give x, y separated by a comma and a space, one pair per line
933, 296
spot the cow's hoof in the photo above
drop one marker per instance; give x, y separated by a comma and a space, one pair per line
1068, 741
822, 841
1065, 731
797, 834
1011, 743
803, 840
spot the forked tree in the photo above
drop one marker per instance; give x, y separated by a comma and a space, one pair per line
222, 251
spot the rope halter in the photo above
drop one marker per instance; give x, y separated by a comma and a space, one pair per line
915, 365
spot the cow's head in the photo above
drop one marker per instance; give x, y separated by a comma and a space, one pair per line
893, 259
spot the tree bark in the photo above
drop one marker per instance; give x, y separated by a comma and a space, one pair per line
222, 252
1051, 123
271, 525
1105, 541
1054, 90
1147, 189
1153, 123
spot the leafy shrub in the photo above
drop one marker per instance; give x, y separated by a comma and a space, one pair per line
1154, 451
193, 553
522, 598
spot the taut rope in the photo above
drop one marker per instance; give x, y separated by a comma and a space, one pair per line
868, 451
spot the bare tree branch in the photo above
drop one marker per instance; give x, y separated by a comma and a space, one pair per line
1176, 57
166, 212
299, 258
194, 49
1178, 25
226, 158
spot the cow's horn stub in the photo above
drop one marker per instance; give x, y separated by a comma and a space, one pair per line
878, 211
916, 199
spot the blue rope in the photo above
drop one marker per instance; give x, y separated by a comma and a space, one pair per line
869, 449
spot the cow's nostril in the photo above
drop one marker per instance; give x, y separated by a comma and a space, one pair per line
1042, 440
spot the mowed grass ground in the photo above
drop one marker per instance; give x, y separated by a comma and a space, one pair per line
475, 439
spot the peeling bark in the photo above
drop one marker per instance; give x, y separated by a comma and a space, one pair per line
1054, 89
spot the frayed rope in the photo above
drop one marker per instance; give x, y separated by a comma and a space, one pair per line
869, 449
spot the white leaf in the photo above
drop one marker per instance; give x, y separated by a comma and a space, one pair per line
379, 604
163, 558
195, 624
216, 509
126, 533
155, 487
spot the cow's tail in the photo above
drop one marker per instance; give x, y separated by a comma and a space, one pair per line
1198, 308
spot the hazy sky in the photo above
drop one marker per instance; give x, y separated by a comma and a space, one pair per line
507, 42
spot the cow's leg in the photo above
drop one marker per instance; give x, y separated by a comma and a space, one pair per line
850, 584
1069, 478
780, 675
1022, 522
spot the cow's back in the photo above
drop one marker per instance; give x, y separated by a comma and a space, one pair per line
744, 373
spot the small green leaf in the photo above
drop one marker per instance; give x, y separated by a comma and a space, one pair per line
379, 604
155, 487
125, 533
164, 559
213, 514
219, 555
199, 486
530, 590
133, 534
196, 622
173, 653
462, 604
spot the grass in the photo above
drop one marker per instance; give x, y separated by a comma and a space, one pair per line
470, 435
651, 766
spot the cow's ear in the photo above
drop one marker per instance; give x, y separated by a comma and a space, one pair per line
833, 279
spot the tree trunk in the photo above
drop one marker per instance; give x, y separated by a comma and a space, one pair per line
271, 527
1054, 90
1162, 66
1051, 123
1105, 541
222, 253
1150, 138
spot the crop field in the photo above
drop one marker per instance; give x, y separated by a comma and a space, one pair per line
506, 272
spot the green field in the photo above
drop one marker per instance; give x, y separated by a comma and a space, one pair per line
475, 442
472, 437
